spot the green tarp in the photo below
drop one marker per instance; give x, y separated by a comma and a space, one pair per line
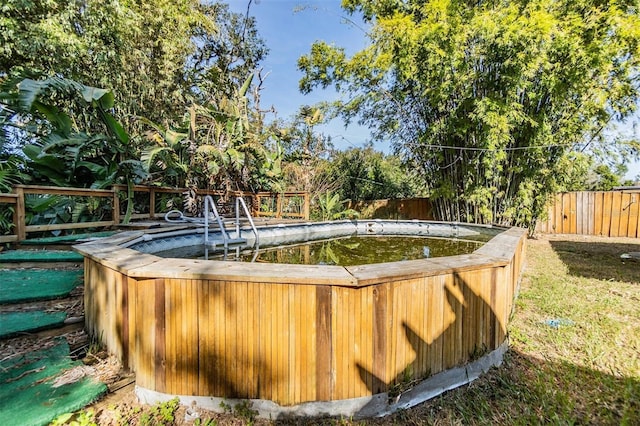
66, 238
17, 322
40, 256
24, 285
28, 392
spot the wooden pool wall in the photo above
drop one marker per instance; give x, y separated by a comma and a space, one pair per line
292, 334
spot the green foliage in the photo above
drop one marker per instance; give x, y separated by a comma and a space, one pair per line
306, 153
83, 418
485, 101
11, 173
365, 174
58, 148
607, 179
207, 422
243, 409
6, 220
158, 57
583, 174
161, 414
332, 207
219, 145
60, 153
52, 209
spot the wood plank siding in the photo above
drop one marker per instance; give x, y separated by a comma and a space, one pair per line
236, 333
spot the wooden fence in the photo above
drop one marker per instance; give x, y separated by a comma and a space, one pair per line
149, 203
610, 214
408, 208
288, 204
605, 213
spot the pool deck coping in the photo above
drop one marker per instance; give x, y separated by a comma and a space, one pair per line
495, 253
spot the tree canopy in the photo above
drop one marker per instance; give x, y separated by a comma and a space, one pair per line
184, 75
365, 174
486, 100
157, 57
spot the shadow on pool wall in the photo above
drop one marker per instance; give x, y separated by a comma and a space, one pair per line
401, 389
303, 340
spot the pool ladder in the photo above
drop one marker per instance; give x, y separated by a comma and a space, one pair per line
210, 207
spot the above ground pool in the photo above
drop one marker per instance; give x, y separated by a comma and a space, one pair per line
304, 339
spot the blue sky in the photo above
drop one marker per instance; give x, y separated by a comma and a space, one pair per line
289, 27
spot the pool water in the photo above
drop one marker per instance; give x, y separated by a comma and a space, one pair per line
355, 250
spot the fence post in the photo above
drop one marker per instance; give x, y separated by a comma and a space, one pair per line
116, 206
19, 214
307, 206
152, 202
279, 205
254, 204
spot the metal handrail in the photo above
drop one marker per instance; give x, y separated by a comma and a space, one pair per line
209, 203
240, 201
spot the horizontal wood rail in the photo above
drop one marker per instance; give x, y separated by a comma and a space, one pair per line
113, 195
8, 198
